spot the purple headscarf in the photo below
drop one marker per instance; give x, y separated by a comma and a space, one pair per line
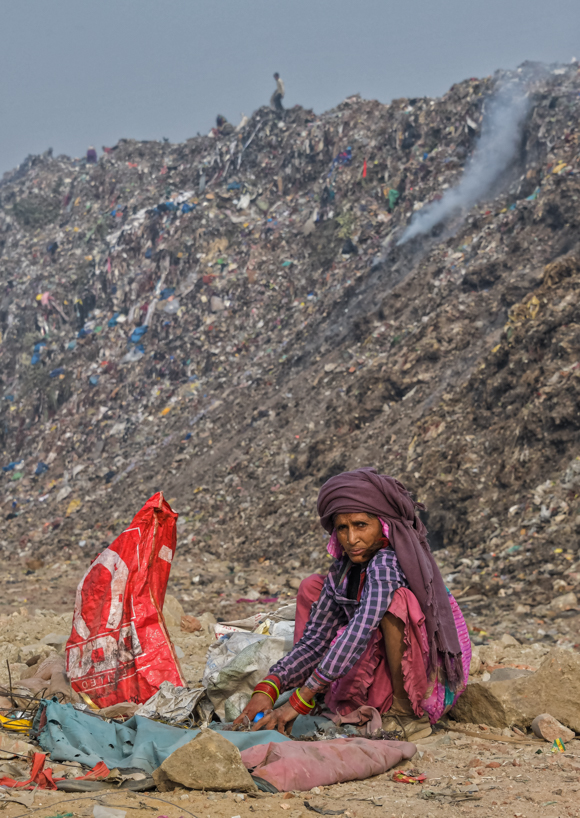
364, 490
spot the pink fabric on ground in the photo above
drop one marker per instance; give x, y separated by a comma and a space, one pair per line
301, 765
308, 594
368, 683
368, 719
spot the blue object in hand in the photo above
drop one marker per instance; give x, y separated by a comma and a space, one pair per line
258, 716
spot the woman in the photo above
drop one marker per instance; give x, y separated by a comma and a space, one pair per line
380, 630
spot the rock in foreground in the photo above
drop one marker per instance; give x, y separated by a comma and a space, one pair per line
207, 762
547, 727
554, 689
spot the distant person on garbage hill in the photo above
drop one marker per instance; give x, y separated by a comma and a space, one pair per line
379, 639
91, 156
278, 95
223, 127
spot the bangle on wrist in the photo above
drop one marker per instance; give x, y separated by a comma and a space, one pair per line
297, 702
270, 686
265, 692
304, 702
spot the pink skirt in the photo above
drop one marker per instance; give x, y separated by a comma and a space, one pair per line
369, 681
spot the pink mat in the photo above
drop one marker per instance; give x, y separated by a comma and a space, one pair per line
301, 765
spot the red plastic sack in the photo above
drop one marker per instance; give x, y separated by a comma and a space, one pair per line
119, 649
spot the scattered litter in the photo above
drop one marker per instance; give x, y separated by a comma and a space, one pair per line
408, 777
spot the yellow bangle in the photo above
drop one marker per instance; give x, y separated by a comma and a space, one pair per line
305, 703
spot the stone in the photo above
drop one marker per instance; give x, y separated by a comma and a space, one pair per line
564, 602
547, 727
55, 640
17, 670
190, 624
207, 620
503, 673
27, 652
554, 687
475, 663
509, 641
491, 653
208, 762
172, 611
216, 304
162, 780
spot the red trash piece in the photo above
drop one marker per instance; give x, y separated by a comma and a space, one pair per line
99, 771
119, 649
39, 777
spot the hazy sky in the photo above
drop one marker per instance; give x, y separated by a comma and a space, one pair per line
76, 72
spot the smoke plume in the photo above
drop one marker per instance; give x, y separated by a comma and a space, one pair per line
495, 149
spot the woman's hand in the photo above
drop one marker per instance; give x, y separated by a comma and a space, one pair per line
280, 719
258, 703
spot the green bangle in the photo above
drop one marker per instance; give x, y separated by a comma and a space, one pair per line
268, 682
305, 703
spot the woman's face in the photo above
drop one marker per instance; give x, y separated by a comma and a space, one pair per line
359, 534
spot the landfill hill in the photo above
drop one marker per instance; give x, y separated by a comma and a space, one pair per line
231, 321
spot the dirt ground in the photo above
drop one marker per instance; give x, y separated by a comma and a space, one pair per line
473, 775
465, 775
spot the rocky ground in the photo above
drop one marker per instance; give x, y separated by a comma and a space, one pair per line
465, 775
492, 767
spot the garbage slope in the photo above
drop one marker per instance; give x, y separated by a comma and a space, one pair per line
231, 321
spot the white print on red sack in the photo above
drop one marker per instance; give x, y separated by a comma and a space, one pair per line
104, 652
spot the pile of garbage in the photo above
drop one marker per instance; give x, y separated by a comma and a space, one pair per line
233, 320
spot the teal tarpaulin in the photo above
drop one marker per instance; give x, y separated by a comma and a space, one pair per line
74, 735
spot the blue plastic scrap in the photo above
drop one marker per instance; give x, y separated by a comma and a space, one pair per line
37, 352
138, 333
56, 372
342, 158
70, 735
41, 468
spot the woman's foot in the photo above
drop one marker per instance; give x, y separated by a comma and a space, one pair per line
409, 728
